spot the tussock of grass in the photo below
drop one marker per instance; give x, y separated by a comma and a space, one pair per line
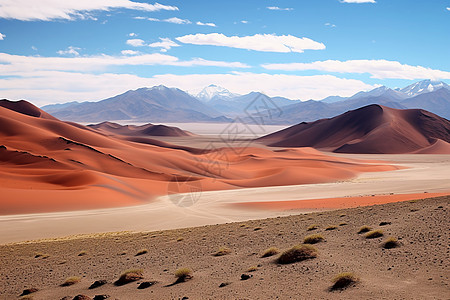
270, 252
297, 253
343, 280
364, 229
130, 275
82, 253
313, 239
312, 227
331, 227
180, 239
141, 252
41, 255
342, 224
71, 281
222, 251
374, 234
390, 243
252, 269
183, 274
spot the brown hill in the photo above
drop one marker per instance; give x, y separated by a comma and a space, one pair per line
370, 129
142, 130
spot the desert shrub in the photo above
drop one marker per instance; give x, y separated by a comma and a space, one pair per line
183, 274
270, 252
390, 243
313, 239
41, 255
141, 252
331, 227
342, 224
130, 275
222, 251
71, 281
180, 239
297, 253
374, 234
82, 253
312, 227
364, 229
343, 280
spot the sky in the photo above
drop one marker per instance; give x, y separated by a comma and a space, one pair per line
54, 51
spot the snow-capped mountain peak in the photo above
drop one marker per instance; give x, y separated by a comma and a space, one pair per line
213, 91
424, 86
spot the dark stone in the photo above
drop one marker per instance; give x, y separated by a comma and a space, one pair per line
29, 291
101, 297
223, 284
146, 284
385, 223
246, 276
97, 283
82, 297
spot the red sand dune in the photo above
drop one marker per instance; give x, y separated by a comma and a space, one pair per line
370, 129
335, 203
50, 165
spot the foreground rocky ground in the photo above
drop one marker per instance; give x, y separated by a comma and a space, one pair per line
417, 269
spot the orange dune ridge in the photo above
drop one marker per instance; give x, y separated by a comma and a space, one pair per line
50, 165
335, 203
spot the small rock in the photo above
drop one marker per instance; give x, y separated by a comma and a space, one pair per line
185, 298
224, 284
101, 297
246, 276
97, 283
29, 291
82, 297
146, 284
385, 223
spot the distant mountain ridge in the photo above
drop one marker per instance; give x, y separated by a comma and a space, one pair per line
217, 104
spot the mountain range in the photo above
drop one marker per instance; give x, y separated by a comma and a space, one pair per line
217, 104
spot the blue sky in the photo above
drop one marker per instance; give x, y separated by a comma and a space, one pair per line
54, 51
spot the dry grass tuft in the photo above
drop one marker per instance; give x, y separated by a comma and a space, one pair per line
71, 281
297, 253
130, 275
252, 269
374, 234
41, 255
312, 227
180, 239
331, 227
141, 252
343, 280
183, 274
82, 253
222, 251
313, 239
270, 252
364, 229
390, 243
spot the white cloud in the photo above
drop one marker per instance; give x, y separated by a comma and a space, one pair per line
380, 69
132, 34
244, 22
279, 8
17, 65
69, 51
136, 42
47, 10
173, 20
358, 1
257, 42
330, 25
34, 48
2, 36
165, 43
129, 52
206, 24
448, 8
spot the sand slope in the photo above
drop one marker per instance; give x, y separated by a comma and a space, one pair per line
417, 269
370, 129
50, 165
